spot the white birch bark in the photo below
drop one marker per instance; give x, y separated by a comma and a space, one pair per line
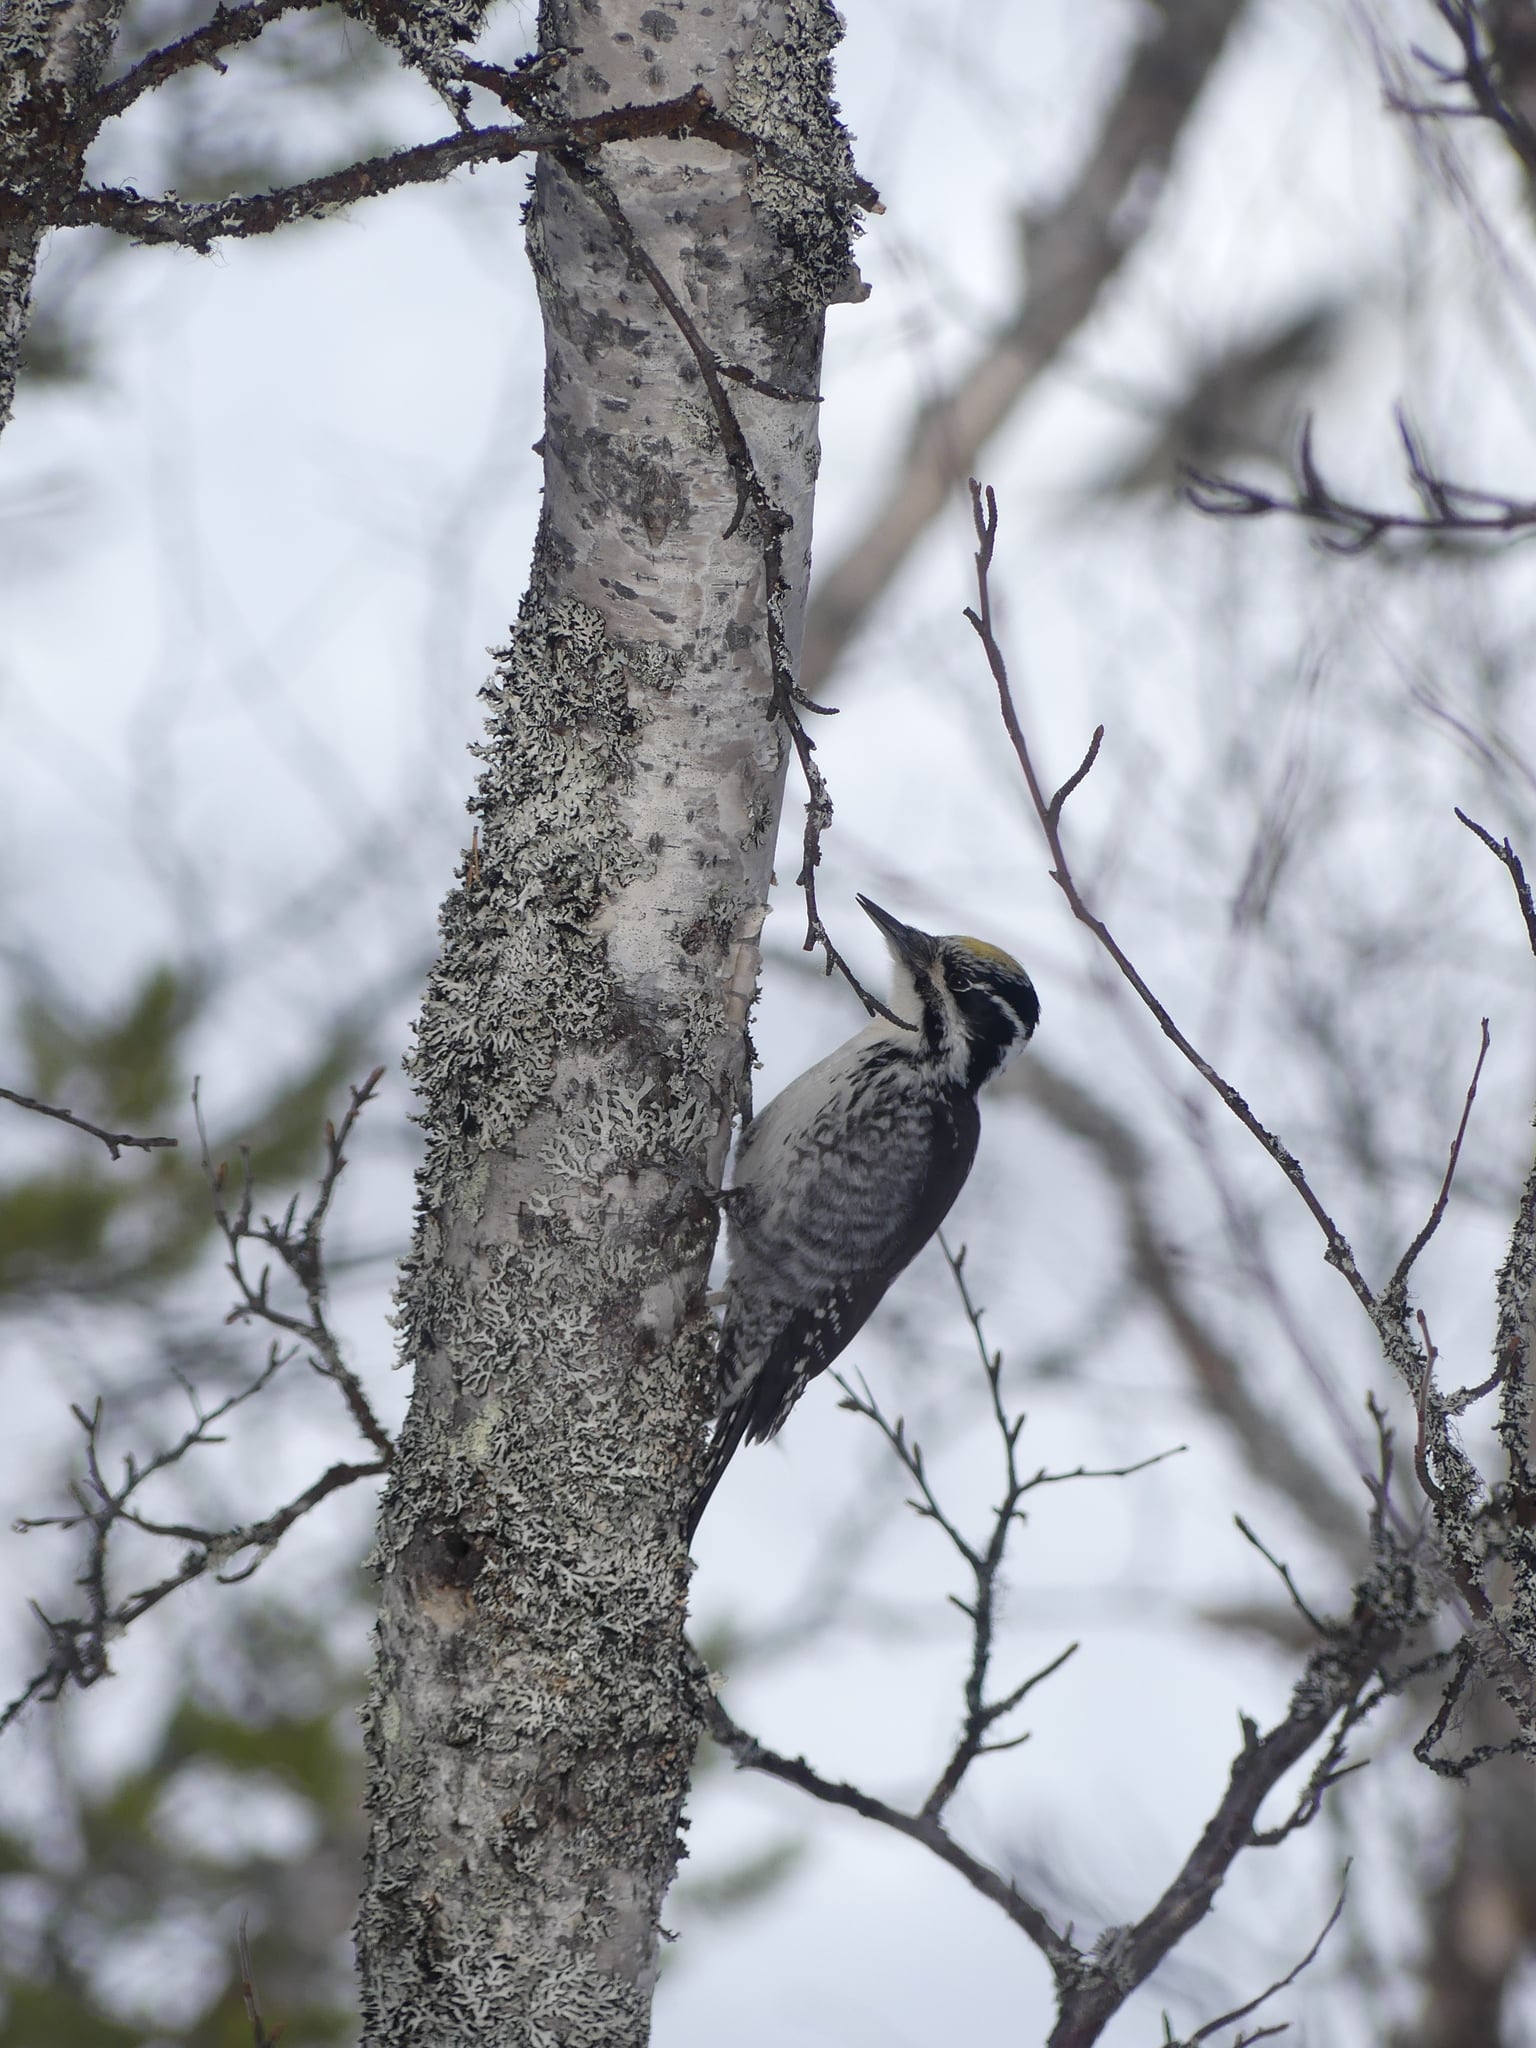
580, 1054
52, 53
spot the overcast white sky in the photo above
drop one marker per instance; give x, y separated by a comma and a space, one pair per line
302, 499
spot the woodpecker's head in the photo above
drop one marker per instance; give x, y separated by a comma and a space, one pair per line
973, 1004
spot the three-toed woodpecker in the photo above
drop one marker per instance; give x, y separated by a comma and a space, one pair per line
842, 1179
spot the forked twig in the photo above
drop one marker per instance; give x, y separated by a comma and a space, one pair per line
79, 1644
1351, 528
1450, 1478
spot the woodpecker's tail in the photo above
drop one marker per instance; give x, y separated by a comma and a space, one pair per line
729, 1431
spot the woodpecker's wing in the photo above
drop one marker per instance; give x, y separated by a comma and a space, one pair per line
816, 1243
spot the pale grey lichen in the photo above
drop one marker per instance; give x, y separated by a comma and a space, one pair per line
782, 92
578, 1057
519, 953
544, 1641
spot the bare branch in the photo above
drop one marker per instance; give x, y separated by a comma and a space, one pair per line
1503, 851
1397, 1286
1284, 1571
1241, 2012
113, 1140
1478, 76
1338, 1252
752, 1755
1459, 1491
1351, 528
79, 1644
984, 1563
1448, 1713
1092, 1987
198, 225
301, 1252
229, 27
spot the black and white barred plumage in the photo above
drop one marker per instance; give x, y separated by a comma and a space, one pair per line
843, 1178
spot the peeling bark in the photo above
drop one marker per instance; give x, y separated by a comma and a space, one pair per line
580, 1056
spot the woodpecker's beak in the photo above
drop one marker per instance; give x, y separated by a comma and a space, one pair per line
914, 949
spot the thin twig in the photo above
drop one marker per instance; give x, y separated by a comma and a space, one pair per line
1459, 1490
79, 1644
1285, 1574
1352, 528
1241, 2012
752, 1755
1338, 1252
1397, 1286
984, 1562
1477, 76
229, 27
260, 2038
113, 1140
1503, 851
300, 1251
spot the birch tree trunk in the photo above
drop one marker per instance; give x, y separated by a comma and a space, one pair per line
580, 1055
52, 53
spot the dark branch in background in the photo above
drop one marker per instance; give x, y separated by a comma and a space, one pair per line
1343, 1680
1458, 1495
1351, 528
79, 1644
769, 524
1072, 251
113, 1140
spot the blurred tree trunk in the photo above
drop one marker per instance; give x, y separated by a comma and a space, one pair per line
581, 1052
51, 58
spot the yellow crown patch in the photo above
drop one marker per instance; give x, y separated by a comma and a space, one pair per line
993, 954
